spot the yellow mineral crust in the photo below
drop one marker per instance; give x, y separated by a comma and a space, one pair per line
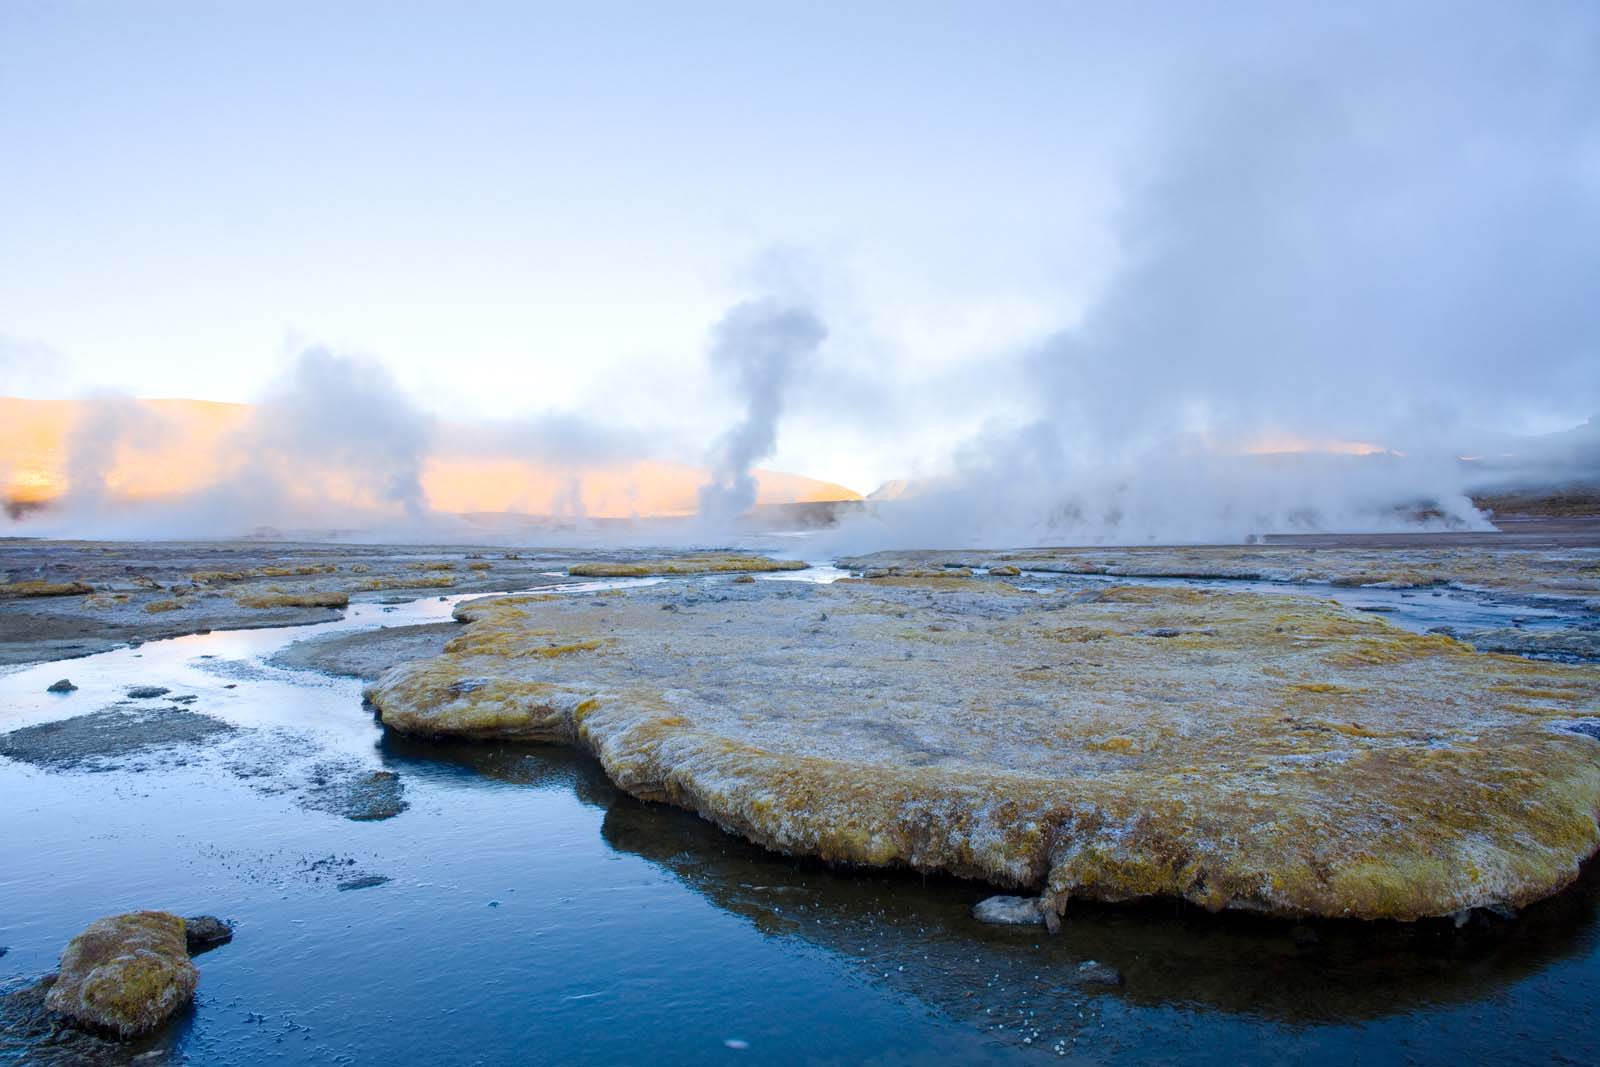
1266, 753
310, 598
711, 564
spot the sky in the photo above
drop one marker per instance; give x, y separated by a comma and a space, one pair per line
1268, 217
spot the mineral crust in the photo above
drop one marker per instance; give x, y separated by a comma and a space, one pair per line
1260, 752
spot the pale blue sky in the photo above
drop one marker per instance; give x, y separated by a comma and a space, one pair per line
522, 208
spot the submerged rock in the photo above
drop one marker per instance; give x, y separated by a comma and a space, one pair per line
1093, 972
1009, 911
1276, 754
126, 974
147, 692
64, 685
365, 881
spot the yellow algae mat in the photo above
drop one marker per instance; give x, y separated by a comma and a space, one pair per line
1260, 752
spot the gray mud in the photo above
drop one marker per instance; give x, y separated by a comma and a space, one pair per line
109, 739
368, 653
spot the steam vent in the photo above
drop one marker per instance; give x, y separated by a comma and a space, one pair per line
1263, 753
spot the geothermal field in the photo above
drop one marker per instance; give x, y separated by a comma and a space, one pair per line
1334, 796
821, 534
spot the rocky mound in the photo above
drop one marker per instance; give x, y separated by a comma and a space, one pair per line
1266, 753
125, 974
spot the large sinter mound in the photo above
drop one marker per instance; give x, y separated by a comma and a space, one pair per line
1240, 751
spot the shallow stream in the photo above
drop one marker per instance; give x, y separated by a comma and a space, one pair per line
520, 910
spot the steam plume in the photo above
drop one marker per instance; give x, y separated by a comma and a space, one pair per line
757, 347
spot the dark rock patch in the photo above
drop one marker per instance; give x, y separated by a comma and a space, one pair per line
205, 932
353, 792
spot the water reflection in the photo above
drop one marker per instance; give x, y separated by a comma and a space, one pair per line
917, 933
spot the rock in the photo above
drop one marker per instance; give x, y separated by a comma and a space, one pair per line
126, 974
205, 932
1093, 972
1009, 911
62, 686
147, 692
1242, 765
744, 579
1304, 937
1003, 570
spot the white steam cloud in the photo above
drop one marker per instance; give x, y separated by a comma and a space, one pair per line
1383, 239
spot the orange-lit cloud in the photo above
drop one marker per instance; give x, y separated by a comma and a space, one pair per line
189, 446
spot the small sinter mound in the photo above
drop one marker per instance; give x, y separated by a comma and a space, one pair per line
711, 564
126, 974
19, 590
311, 599
1267, 753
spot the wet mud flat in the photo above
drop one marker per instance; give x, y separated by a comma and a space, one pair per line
552, 907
